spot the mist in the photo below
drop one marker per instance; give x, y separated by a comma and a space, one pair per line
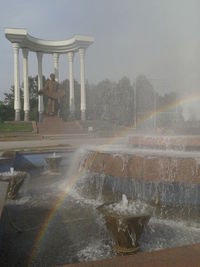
158, 39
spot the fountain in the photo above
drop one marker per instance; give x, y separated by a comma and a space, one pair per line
112, 219
15, 179
7, 159
53, 163
125, 224
168, 179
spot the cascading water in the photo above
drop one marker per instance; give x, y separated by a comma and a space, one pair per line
53, 163
126, 222
77, 231
165, 191
175, 203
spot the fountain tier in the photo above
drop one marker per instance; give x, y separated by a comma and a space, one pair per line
170, 181
53, 163
15, 179
149, 165
125, 226
182, 142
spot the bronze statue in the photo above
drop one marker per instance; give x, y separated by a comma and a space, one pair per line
54, 94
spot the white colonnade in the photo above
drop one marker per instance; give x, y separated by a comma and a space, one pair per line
17, 102
22, 40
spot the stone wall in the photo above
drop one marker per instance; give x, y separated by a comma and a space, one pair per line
184, 143
145, 167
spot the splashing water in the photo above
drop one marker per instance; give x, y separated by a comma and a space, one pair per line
125, 207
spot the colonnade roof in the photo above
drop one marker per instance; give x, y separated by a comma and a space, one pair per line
21, 36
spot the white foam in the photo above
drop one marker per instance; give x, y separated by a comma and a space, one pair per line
95, 250
126, 207
20, 201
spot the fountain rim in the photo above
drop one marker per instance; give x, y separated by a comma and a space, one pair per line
54, 157
152, 153
101, 208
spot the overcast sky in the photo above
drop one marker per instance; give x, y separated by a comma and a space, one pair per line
157, 38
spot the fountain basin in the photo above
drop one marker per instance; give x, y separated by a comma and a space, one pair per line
125, 229
7, 159
145, 164
15, 180
78, 220
3, 192
170, 181
53, 163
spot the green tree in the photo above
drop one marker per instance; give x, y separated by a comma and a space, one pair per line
170, 115
111, 101
7, 105
64, 104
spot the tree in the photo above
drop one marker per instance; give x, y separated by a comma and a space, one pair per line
169, 115
111, 101
6, 112
145, 102
64, 104
7, 105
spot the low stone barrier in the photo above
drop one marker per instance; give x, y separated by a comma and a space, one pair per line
161, 167
170, 183
184, 143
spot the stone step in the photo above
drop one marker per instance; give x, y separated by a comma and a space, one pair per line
54, 125
64, 136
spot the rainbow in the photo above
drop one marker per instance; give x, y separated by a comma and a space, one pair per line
122, 133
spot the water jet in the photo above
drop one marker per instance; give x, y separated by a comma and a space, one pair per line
53, 163
126, 226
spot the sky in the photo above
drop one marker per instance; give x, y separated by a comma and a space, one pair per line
157, 38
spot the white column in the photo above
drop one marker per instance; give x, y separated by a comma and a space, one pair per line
56, 66
40, 86
71, 84
26, 89
17, 102
135, 105
155, 111
82, 77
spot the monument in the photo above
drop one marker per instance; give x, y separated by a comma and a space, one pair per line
20, 39
54, 94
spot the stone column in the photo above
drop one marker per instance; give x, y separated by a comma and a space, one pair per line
17, 102
71, 84
56, 66
135, 106
82, 78
26, 89
40, 86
